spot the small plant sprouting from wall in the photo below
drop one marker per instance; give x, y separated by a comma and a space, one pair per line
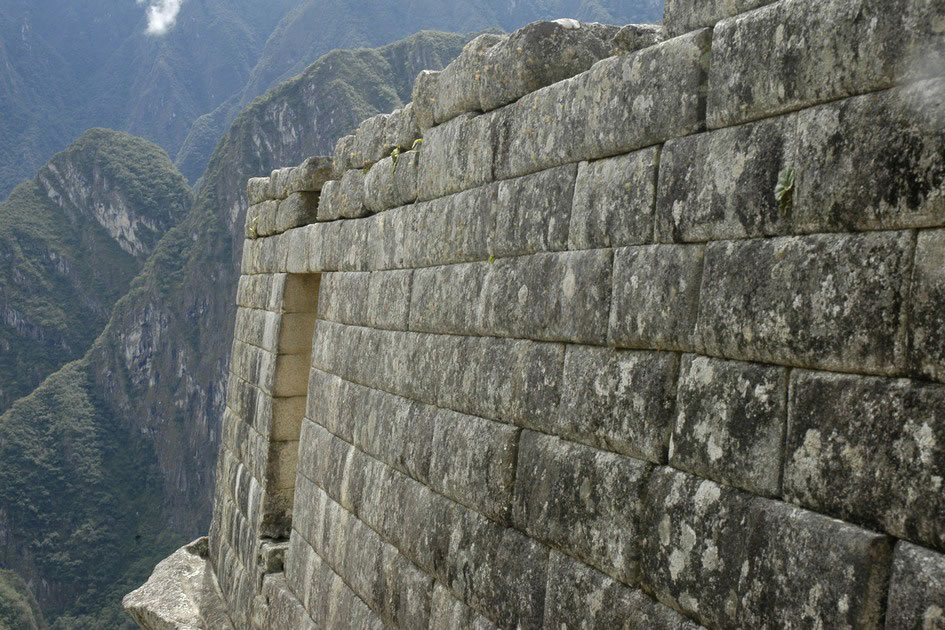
784, 190
253, 232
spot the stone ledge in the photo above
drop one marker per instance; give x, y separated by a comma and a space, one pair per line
181, 594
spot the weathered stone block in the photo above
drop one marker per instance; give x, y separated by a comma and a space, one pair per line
310, 175
448, 299
352, 195
450, 230
262, 291
733, 560
621, 104
581, 597
916, 589
449, 613
457, 156
682, 16
617, 400
496, 570
279, 182
614, 201
473, 462
388, 299
836, 464
397, 431
730, 423
873, 162
407, 592
532, 212
402, 128
825, 301
797, 53
458, 83
549, 296
345, 157
634, 37
261, 219
391, 184
257, 190
656, 296
425, 92
927, 308
584, 501
720, 185
343, 297
298, 209
371, 140
329, 201
537, 55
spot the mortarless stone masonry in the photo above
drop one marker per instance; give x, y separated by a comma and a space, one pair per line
569, 364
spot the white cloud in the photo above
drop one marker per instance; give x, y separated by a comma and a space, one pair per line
161, 15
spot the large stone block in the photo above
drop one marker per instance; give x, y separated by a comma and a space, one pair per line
388, 299
449, 613
310, 175
584, 501
617, 400
458, 83
457, 156
555, 297
916, 589
621, 104
397, 431
730, 423
826, 301
390, 183
682, 16
532, 213
296, 210
473, 462
344, 157
656, 296
496, 570
797, 53
538, 55
262, 291
633, 37
402, 128
448, 299
736, 561
449, 230
614, 201
836, 464
343, 297
927, 307
424, 97
371, 140
582, 597
873, 162
720, 185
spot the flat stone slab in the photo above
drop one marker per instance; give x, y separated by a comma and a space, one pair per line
181, 594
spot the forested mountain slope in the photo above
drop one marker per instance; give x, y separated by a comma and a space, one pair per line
72, 240
109, 464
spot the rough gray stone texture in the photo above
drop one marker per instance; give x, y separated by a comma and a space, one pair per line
345, 157
391, 184
402, 128
916, 589
449, 613
837, 463
736, 561
682, 16
927, 308
456, 156
797, 53
473, 462
581, 500
458, 85
424, 98
536, 56
826, 301
261, 219
532, 213
720, 185
873, 162
730, 423
310, 175
329, 202
296, 210
621, 104
614, 201
582, 597
371, 143
656, 296
617, 400
344, 198
257, 190
181, 594
634, 37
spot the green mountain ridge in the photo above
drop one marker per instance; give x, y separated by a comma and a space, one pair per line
127, 436
73, 239
18, 607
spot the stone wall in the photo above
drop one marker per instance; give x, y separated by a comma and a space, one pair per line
573, 362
